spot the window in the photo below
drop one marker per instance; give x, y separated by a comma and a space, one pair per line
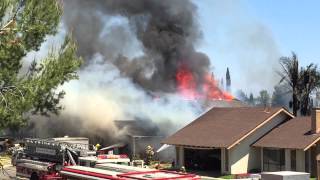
293, 160
273, 159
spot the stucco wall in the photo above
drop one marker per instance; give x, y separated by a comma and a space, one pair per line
179, 156
243, 157
300, 160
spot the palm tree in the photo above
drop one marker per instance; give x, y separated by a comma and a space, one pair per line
309, 82
301, 82
290, 75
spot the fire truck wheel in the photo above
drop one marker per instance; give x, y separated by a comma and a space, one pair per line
34, 176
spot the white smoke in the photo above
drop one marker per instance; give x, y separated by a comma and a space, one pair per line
102, 95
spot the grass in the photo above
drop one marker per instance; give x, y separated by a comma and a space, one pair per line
227, 177
5, 160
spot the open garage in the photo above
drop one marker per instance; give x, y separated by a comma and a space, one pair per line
203, 159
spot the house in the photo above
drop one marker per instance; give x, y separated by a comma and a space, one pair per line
292, 145
137, 135
248, 139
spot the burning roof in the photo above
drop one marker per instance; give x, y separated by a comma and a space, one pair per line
205, 88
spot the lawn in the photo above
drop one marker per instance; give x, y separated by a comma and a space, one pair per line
5, 160
227, 177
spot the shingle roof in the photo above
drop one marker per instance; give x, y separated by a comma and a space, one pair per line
221, 127
293, 134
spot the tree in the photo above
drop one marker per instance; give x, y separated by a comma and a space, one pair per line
300, 82
310, 78
228, 81
263, 98
291, 76
317, 100
281, 96
23, 28
242, 96
251, 100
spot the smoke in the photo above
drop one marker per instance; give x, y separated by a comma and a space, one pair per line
102, 96
132, 51
239, 40
164, 32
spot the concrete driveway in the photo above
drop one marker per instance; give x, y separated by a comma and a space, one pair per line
9, 172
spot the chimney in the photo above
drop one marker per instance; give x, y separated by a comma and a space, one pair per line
315, 120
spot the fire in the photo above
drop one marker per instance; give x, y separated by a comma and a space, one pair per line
208, 89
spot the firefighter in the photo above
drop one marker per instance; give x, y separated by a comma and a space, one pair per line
150, 154
158, 166
8, 144
183, 169
173, 164
97, 146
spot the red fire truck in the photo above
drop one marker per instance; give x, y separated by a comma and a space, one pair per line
42, 159
81, 173
60, 158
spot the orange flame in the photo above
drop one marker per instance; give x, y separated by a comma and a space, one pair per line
188, 88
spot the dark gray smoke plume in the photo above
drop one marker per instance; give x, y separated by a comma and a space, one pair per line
131, 48
165, 32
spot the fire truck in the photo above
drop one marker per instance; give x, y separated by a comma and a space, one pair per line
63, 158
87, 173
82, 173
92, 161
42, 159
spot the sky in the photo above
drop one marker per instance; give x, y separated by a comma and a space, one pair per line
249, 36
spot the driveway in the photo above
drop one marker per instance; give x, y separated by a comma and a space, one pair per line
9, 172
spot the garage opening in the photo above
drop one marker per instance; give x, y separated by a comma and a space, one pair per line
203, 160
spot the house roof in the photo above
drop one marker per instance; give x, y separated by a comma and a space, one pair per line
293, 134
225, 103
223, 127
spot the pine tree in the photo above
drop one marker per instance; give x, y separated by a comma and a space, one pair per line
228, 81
251, 100
24, 26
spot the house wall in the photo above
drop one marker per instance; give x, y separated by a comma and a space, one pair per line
300, 160
179, 156
287, 160
244, 158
